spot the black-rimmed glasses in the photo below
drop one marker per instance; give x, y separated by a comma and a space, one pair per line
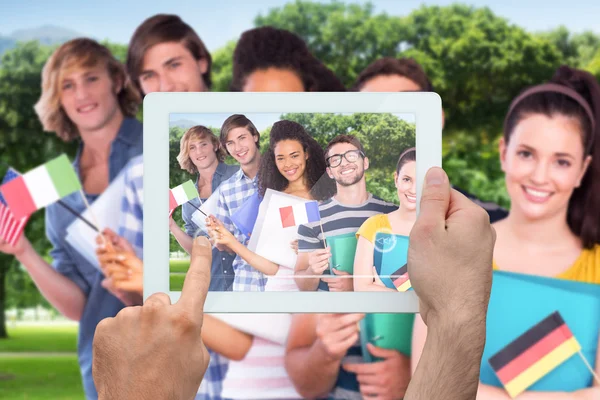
350, 156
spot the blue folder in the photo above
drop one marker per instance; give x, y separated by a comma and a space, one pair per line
245, 216
519, 301
390, 253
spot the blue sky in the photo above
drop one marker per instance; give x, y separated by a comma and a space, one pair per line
116, 20
260, 120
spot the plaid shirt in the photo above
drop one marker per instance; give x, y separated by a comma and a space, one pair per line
131, 228
234, 191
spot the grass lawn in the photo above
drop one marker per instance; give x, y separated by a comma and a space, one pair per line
40, 378
40, 338
176, 282
179, 265
177, 269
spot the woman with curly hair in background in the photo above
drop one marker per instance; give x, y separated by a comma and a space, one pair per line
293, 164
267, 59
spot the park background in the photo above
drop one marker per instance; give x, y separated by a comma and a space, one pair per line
479, 55
384, 137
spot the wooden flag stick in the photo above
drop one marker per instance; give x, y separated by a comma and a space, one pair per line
587, 364
76, 214
193, 205
323, 233
93, 216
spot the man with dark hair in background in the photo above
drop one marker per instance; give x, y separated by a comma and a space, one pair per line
166, 55
390, 74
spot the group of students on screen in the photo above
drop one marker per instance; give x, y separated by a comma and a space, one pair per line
549, 152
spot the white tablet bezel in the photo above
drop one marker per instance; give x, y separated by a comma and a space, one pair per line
427, 110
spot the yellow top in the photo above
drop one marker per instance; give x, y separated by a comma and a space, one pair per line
586, 268
374, 224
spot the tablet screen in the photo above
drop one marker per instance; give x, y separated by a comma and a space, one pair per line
293, 201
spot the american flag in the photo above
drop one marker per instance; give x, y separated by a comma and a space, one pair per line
10, 228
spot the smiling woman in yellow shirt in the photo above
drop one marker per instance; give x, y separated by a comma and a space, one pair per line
398, 222
550, 154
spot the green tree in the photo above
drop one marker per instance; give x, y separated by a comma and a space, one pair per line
118, 50
222, 67
23, 144
577, 50
383, 136
594, 65
346, 37
477, 61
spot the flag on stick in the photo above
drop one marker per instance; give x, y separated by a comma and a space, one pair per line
299, 214
182, 194
534, 354
400, 279
40, 187
11, 228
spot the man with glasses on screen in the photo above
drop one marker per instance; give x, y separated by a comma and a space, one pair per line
314, 345
134, 352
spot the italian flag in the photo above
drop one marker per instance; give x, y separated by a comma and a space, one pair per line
182, 194
40, 187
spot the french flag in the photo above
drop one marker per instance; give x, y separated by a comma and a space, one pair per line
299, 214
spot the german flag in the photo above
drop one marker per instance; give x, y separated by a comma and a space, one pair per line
534, 354
400, 279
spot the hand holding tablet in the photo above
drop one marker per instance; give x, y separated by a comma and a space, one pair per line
124, 366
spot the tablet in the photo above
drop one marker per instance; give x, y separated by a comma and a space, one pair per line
285, 224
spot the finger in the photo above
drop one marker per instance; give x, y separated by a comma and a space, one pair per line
381, 352
356, 368
350, 319
338, 272
111, 257
373, 391
119, 275
322, 266
373, 368
110, 235
337, 334
197, 279
130, 286
344, 344
123, 244
368, 379
434, 201
158, 299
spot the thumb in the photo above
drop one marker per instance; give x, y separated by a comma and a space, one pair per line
435, 199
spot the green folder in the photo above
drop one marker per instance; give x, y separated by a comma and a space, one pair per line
388, 331
343, 250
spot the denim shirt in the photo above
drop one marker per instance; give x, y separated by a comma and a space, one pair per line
100, 303
221, 269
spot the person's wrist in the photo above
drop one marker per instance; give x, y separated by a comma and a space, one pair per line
448, 326
24, 251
